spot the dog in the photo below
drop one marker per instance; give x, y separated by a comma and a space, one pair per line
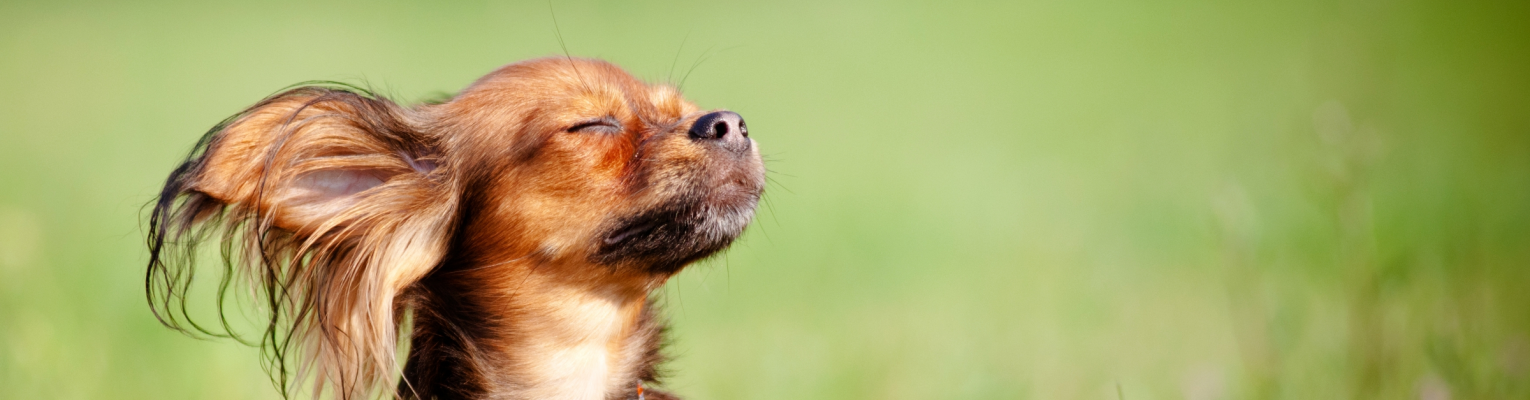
510, 237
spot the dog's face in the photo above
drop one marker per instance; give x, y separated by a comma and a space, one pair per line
575, 162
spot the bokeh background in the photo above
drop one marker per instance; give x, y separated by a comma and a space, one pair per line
1031, 199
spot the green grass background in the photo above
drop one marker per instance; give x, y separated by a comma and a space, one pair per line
1030, 199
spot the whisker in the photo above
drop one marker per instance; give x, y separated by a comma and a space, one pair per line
670, 77
778, 184
701, 59
566, 56
770, 206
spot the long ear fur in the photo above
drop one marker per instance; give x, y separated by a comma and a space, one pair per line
331, 202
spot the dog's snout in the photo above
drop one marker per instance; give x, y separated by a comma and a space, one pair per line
725, 127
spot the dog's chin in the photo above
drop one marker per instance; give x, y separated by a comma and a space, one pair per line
665, 239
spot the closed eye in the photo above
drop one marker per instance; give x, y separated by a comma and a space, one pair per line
603, 125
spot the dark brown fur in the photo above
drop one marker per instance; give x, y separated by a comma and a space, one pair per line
519, 228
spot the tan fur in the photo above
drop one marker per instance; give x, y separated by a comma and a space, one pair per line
569, 340
484, 214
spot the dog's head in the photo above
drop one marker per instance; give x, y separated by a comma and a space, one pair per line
336, 201
578, 162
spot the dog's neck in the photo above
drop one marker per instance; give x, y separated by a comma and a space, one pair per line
529, 332
569, 342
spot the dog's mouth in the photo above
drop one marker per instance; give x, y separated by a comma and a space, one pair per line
666, 239
661, 240
632, 230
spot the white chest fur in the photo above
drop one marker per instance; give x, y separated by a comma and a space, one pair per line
576, 348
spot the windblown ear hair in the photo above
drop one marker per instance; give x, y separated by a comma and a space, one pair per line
331, 202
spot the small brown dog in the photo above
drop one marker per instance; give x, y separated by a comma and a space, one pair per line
513, 233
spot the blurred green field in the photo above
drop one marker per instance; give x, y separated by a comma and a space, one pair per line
972, 200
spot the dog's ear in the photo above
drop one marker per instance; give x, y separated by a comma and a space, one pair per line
309, 155
334, 202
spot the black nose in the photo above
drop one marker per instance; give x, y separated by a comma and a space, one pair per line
725, 127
